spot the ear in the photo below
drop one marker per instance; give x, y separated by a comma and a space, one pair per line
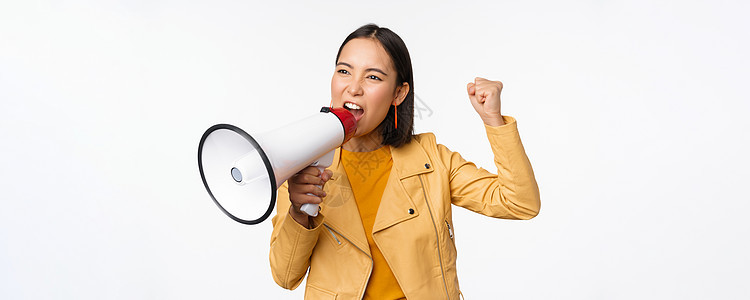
401, 93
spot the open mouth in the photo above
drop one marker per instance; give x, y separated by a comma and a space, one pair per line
355, 109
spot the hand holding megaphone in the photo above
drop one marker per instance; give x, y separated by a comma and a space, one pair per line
306, 192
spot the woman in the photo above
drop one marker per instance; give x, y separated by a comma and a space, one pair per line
384, 230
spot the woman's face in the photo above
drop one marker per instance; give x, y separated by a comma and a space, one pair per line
365, 83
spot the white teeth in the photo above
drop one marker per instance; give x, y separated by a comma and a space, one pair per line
350, 105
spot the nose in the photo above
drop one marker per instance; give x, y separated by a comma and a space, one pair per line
354, 88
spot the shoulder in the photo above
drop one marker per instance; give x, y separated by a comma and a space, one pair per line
420, 144
427, 138
428, 142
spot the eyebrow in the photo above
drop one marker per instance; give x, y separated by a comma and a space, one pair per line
366, 70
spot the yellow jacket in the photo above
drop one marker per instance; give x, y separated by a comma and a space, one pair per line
413, 227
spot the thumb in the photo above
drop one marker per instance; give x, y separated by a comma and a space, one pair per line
327, 174
470, 89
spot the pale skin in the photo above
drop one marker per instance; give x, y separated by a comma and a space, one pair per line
365, 76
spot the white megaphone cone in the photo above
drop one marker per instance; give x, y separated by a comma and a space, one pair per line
241, 172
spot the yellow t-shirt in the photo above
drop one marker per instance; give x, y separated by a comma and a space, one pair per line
368, 173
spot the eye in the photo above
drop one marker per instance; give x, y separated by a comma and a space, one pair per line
342, 71
374, 77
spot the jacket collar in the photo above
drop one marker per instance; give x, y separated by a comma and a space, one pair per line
410, 159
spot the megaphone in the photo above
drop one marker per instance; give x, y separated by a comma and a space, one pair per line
241, 173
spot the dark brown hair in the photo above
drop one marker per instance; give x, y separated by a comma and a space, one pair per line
396, 49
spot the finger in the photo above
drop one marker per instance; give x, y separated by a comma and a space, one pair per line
310, 170
311, 190
478, 80
300, 199
480, 93
307, 179
500, 85
470, 88
307, 188
493, 87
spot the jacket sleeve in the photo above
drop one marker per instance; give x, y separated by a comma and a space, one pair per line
291, 243
511, 194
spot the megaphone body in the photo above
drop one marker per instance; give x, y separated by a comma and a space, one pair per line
242, 172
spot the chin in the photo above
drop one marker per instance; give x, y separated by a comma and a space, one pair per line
361, 132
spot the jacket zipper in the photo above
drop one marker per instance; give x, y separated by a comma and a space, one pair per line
450, 230
333, 235
372, 263
437, 236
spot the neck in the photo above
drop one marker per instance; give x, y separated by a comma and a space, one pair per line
366, 143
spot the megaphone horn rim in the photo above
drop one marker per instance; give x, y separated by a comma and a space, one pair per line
263, 156
347, 119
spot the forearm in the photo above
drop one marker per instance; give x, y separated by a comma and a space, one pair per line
292, 244
291, 248
518, 188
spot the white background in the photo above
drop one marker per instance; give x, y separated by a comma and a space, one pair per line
633, 114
